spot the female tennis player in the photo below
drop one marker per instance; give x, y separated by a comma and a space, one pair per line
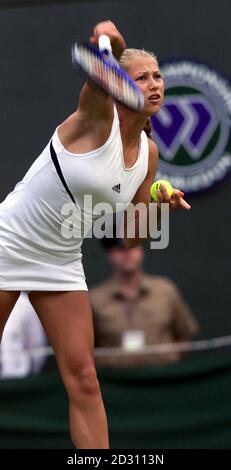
101, 150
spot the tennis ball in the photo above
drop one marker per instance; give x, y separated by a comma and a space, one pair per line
156, 185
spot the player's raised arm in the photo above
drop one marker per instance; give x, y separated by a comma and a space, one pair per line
90, 125
94, 102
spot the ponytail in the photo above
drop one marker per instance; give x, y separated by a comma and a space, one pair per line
148, 128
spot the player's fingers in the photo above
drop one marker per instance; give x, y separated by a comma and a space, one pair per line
164, 193
181, 204
94, 41
97, 31
177, 192
105, 27
184, 204
160, 196
175, 199
178, 202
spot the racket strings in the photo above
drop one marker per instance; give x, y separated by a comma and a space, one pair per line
108, 76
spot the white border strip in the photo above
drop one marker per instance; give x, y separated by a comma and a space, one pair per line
199, 345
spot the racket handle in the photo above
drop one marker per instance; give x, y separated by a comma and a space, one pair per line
104, 43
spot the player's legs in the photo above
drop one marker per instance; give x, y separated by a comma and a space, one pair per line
67, 320
7, 302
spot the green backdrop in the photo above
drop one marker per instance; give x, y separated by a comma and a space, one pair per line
180, 406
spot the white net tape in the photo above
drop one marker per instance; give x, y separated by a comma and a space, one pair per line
199, 345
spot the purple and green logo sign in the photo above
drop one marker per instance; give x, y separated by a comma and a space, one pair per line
193, 128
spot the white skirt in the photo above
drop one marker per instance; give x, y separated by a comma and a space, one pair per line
26, 268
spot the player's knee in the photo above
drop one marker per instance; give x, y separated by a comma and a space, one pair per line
83, 382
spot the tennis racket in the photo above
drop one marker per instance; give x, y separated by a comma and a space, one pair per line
101, 66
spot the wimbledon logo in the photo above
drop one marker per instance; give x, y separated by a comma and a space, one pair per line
192, 130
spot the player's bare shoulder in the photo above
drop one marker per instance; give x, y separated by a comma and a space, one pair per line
153, 149
80, 134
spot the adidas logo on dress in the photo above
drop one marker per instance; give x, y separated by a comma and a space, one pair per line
116, 188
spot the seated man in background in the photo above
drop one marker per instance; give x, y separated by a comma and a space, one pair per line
22, 333
133, 310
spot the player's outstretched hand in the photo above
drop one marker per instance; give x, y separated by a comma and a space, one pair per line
175, 201
116, 39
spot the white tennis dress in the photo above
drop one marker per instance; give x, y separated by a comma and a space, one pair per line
39, 251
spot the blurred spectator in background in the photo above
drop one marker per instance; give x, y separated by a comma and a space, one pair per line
22, 333
133, 310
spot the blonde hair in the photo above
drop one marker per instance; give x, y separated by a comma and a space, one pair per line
129, 55
126, 58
